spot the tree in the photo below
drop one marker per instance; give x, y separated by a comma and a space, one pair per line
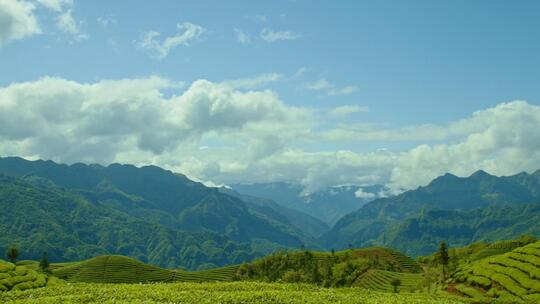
44, 262
12, 254
442, 257
395, 283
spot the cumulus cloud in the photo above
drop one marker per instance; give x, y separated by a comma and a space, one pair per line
17, 21
66, 120
224, 133
187, 34
269, 35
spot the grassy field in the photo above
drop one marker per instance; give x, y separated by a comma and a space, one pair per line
513, 277
219, 292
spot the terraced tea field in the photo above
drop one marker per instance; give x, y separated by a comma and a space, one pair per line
120, 269
496, 248
402, 262
219, 292
513, 277
380, 280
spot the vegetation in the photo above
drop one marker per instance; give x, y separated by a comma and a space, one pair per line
335, 269
120, 269
44, 263
235, 292
19, 277
382, 280
512, 277
12, 254
395, 283
442, 257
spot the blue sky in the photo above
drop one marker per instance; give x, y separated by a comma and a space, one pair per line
390, 65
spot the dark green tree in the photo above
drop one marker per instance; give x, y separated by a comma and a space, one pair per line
44, 262
12, 254
443, 257
395, 283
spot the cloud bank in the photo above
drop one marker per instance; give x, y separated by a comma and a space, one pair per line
250, 134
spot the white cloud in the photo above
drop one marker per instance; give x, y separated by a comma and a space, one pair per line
364, 195
270, 35
65, 21
347, 110
318, 85
242, 36
329, 88
67, 24
129, 117
187, 33
17, 21
254, 82
254, 136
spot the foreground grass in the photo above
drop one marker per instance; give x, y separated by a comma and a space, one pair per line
236, 292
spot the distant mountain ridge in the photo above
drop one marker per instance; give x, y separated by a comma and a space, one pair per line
377, 221
328, 205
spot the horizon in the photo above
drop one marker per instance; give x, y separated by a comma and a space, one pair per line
385, 93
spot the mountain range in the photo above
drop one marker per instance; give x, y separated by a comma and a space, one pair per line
78, 211
167, 218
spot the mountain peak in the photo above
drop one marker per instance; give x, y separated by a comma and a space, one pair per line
480, 173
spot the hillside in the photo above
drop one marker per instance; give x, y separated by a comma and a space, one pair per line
303, 221
159, 217
69, 227
331, 269
419, 235
512, 277
401, 222
121, 269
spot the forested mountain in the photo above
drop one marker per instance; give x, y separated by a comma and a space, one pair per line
328, 205
162, 208
459, 209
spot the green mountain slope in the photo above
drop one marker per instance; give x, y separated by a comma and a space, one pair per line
420, 234
158, 198
459, 195
47, 218
267, 207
